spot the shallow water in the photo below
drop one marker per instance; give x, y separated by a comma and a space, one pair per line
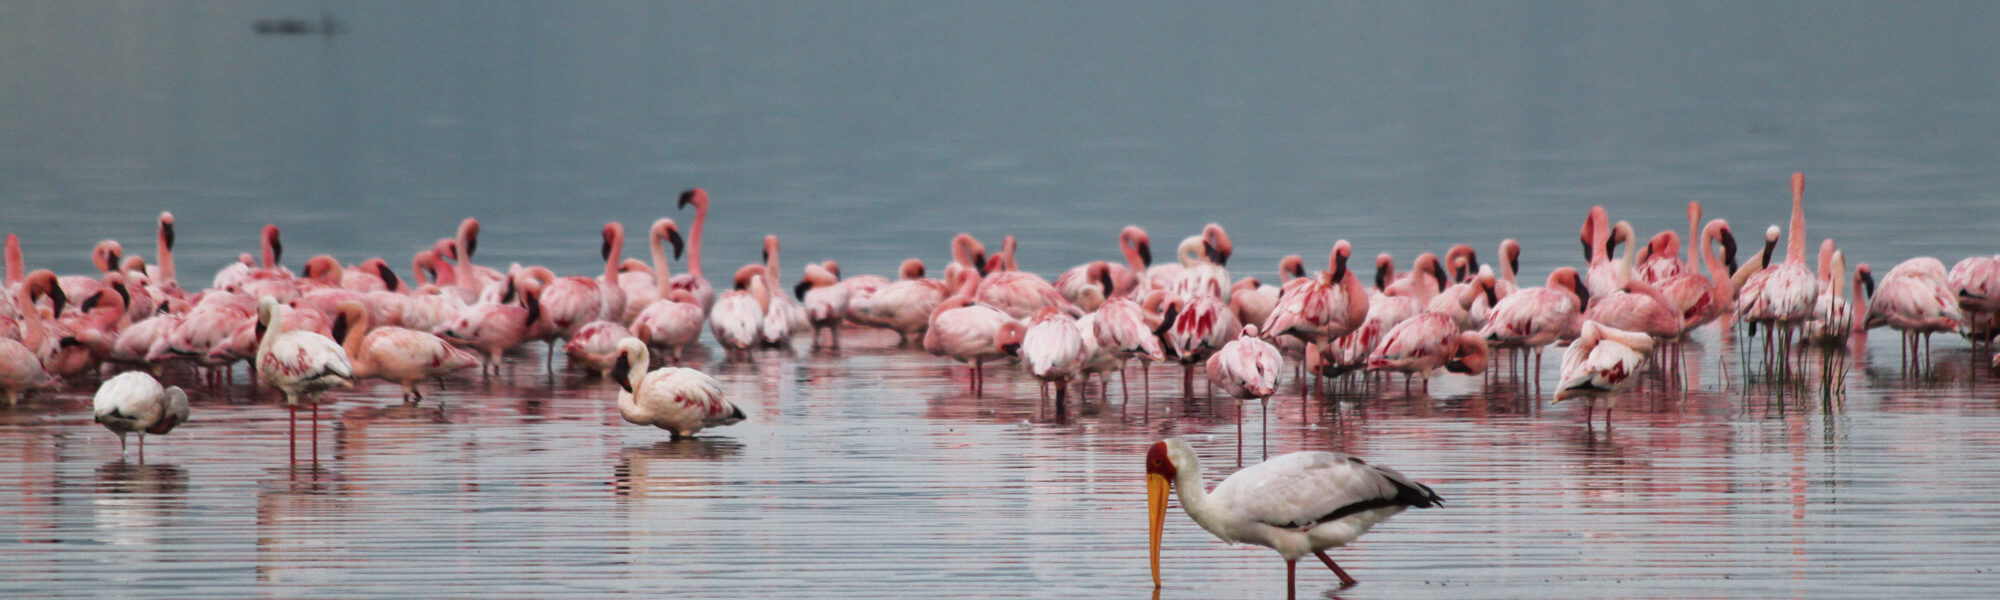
872, 132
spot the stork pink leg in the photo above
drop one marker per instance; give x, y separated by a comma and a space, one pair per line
1344, 579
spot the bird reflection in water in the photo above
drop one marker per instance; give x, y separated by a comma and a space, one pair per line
136, 504
291, 513
643, 470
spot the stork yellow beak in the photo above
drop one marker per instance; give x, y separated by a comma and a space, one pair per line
1156, 509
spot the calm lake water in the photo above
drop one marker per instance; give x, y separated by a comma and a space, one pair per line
871, 132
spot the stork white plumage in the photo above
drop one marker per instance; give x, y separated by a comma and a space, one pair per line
1297, 504
134, 402
681, 401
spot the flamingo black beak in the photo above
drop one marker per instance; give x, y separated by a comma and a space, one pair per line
1214, 254
604, 251
621, 372
1104, 279
979, 263
674, 237
167, 233
687, 198
1340, 270
1145, 253
799, 291
388, 276
1156, 514
1729, 251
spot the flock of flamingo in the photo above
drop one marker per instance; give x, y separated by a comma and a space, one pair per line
333, 325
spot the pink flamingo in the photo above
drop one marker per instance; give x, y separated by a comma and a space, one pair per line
20, 361
1348, 353
673, 322
1976, 281
783, 316
1127, 330
967, 255
1832, 319
1124, 278
1206, 273
495, 327
1020, 294
471, 277
1781, 297
681, 401
642, 283
1637, 306
1196, 326
1052, 350
1916, 299
595, 346
1600, 243
738, 318
1599, 363
967, 331
395, 354
1245, 368
570, 302
1087, 285
299, 363
1662, 260
105, 256
825, 299
1425, 280
1097, 359
1254, 302
692, 281
904, 306
1320, 310
1421, 344
1702, 299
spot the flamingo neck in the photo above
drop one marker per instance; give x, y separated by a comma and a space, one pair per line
462, 269
166, 261
1795, 245
1694, 215
16, 273
772, 269
611, 258
31, 318
417, 267
1131, 253
694, 247
357, 328
1717, 273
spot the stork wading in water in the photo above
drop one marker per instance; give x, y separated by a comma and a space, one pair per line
1297, 504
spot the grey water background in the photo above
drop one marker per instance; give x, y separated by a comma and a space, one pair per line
871, 132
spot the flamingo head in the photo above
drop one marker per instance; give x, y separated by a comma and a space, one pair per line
323, 269
1770, 243
1864, 278
667, 230
271, 239
1728, 240
42, 282
1216, 245
632, 358
1291, 267
614, 236
1136, 238
1463, 252
1428, 263
1385, 270
468, 231
1510, 252
106, 255
695, 196
383, 271
1010, 337
832, 267
911, 269
1099, 272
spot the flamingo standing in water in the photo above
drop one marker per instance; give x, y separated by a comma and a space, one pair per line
738, 319
903, 306
494, 327
1976, 282
674, 321
1916, 299
1017, 293
1319, 310
570, 302
20, 360
1245, 368
134, 402
825, 300
1421, 344
1297, 504
644, 284
1124, 278
300, 364
1206, 274
1052, 350
395, 354
681, 401
1125, 329
967, 331
692, 281
1197, 326
1600, 363
783, 316
1781, 297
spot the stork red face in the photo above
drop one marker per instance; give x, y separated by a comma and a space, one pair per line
1160, 472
